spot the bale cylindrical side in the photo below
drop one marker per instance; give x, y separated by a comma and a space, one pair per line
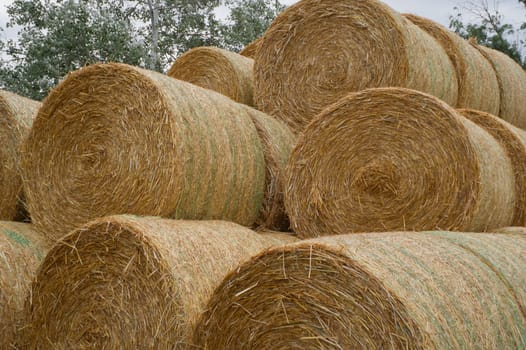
16, 117
520, 230
512, 86
513, 140
315, 52
277, 141
216, 69
478, 87
133, 283
114, 139
21, 250
393, 159
251, 49
374, 291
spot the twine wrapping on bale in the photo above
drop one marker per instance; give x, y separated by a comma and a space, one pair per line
316, 52
513, 140
393, 159
374, 291
16, 117
133, 283
512, 85
21, 250
478, 87
251, 49
115, 139
216, 69
277, 141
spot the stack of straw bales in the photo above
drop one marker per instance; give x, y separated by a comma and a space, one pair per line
392, 159
21, 250
216, 69
115, 139
316, 52
436, 290
134, 283
16, 117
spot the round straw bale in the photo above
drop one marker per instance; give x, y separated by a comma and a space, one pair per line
115, 139
471, 67
21, 250
521, 230
251, 49
512, 86
216, 69
133, 283
16, 117
372, 291
278, 236
277, 141
513, 140
316, 52
393, 159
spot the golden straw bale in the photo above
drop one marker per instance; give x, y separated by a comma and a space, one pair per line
393, 159
115, 139
21, 250
126, 282
277, 141
520, 230
315, 52
471, 67
513, 140
512, 86
216, 69
16, 117
251, 49
374, 291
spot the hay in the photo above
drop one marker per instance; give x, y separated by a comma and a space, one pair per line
114, 139
132, 283
21, 250
375, 291
277, 141
251, 49
16, 117
393, 159
316, 52
513, 140
512, 85
471, 67
216, 69
519, 230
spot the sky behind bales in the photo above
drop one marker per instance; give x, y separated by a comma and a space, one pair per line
439, 11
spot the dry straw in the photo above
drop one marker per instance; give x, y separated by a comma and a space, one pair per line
277, 141
21, 250
114, 139
512, 85
478, 87
513, 140
520, 230
374, 291
316, 52
16, 116
133, 283
216, 69
393, 159
251, 49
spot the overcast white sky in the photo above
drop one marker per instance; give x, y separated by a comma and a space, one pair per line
439, 11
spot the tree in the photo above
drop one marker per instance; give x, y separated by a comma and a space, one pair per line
248, 20
490, 30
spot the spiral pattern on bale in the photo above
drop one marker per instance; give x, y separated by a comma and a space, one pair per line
115, 139
133, 283
315, 52
22, 249
393, 159
471, 67
513, 140
406, 290
216, 69
16, 117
